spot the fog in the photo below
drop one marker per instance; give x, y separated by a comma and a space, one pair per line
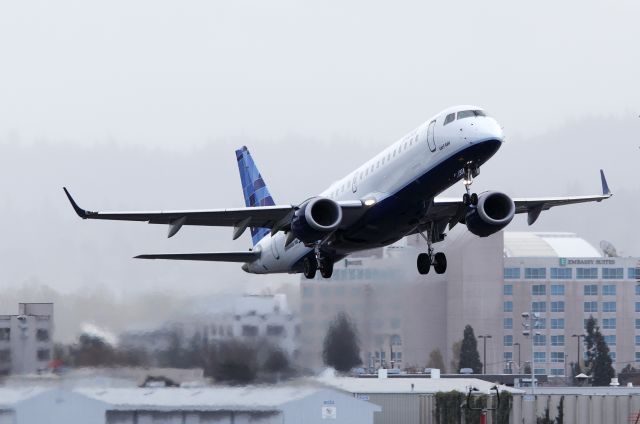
139, 106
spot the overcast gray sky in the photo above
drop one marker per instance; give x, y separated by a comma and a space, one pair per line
139, 105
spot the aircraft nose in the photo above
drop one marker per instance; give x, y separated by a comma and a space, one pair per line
489, 128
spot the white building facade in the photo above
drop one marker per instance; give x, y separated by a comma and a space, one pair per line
26, 344
401, 316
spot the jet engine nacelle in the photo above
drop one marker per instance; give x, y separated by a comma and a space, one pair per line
493, 212
316, 218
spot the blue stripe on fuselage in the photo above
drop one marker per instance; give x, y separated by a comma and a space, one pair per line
393, 217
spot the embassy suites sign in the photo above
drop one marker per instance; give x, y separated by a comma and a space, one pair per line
569, 261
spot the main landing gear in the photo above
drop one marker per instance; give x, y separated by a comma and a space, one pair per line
425, 260
321, 262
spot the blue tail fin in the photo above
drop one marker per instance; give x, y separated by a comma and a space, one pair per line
254, 189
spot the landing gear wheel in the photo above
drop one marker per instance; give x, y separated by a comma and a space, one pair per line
424, 263
440, 263
326, 270
466, 199
310, 268
474, 199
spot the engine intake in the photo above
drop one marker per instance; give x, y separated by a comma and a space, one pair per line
316, 218
494, 211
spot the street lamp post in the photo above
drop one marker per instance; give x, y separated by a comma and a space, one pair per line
578, 339
518, 344
530, 323
484, 359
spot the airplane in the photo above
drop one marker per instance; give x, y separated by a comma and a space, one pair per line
390, 196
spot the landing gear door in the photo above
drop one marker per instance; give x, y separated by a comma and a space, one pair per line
431, 139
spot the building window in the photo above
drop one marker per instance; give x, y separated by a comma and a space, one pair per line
612, 273
508, 341
507, 290
5, 333
637, 356
396, 340
508, 306
608, 306
591, 306
5, 355
539, 340
610, 339
535, 273
249, 330
637, 306
633, 273
42, 335
43, 354
540, 324
512, 273
637, 340
508, 356
557, 357
538, 290
557, 289
557, 306
557, 323
508, 323
609, 290
561, 273
556, 372
591, 290
637, 324
557, 340
638, 289
538, 306
608, 323
539, 357
587, 273
540, 371
275, 330
612, 355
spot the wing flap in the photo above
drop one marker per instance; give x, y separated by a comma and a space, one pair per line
212, 257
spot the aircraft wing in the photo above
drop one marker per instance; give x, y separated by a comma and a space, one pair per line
276, 217
247, 256
453, 210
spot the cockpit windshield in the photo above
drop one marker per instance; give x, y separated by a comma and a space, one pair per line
469, 113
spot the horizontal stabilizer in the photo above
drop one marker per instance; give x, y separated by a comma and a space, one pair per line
248, 256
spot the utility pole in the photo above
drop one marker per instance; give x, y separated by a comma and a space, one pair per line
484, 359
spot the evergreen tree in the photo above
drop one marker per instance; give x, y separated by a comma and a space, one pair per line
469, 356
435, 360
598, 360
341, 346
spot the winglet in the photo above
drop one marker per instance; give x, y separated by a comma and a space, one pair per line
81, 212
605, 186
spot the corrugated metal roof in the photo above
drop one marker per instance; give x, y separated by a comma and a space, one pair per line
10, 396
410, 385
252, 398
526, 244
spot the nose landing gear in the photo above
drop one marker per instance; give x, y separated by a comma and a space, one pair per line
470, 171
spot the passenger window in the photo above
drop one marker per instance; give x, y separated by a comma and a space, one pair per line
450, 118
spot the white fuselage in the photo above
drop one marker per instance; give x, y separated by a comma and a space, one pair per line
388, 172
